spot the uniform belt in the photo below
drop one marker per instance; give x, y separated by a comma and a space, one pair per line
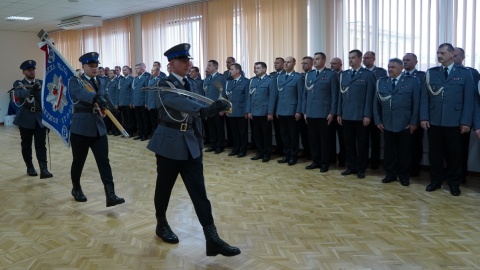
179, 126
33, 109
85, 110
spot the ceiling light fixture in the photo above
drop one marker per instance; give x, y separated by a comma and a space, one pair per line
18, 18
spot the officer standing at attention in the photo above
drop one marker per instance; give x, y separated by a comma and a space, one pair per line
355, 109
446, 112
177, 144
260, 108
396, 108
236, 91
374, 132
409, 63
29, 119
216, 123
290, 88
88, 129
320, 106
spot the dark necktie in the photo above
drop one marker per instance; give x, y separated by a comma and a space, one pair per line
94, 84
353, 73
393, 83
445, 71
186, 84
408, 73
316, 73
234, 81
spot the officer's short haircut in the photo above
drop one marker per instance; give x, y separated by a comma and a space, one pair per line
324, 57
396, 60
231, 58
156, 62
214, 62
118, 67
357, 52
100, 68
373, 53
460, 49
138, 65
262, 64
308, 57
412, 54
196, 69
448, 45
280, 58
237, 67
126, 66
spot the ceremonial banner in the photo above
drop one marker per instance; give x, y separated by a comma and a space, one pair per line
57, 106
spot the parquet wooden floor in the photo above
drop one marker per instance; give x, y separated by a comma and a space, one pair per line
281, 217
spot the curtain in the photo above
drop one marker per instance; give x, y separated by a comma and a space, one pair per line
166, 28
111, 41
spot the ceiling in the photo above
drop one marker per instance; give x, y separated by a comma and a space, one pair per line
48, 13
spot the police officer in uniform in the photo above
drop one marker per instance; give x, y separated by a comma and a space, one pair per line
369, 62
216, 123
289, 110
320, 106
446, 112
396, 114
112, 89
260, 109
409, 63
335, 129
151, 98
236, 90
29, 119
279, 66
125, 92
87, 129
357, 86
177, 144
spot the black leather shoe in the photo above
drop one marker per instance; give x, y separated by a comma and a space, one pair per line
31, 171
312, 166
283, 160
143, 139
231, 154
455, 191
323, 169
209, 149
348, 172
361, 175
78, 195
388, 180
166, 234
257, 156
215, 245
292, 162
137, 138
218, 151
241, 155
265, 159
404, 183
432, 187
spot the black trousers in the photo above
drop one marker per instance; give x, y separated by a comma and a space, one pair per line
417, 150
445, 143
128, 119
191, 171
465, 146
153, 120
239, 129
142, 121
336, 129
374, 133
262, 129
289, 131
229, 134
397, 154
318, 133
278, 136
303, 130
216, 130
38, 136
356, 145
99, 145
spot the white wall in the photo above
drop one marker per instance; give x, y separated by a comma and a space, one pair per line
16, 47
